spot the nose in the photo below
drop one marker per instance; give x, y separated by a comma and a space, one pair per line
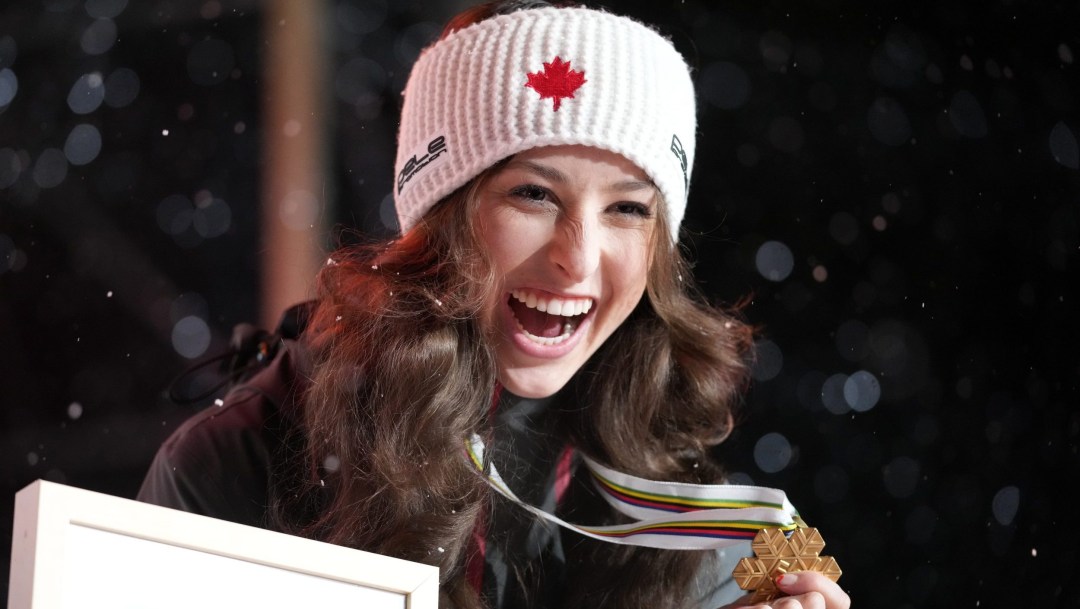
576, 247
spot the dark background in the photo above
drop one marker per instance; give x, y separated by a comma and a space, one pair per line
895, 188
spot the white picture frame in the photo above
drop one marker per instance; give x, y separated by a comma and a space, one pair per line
74, 548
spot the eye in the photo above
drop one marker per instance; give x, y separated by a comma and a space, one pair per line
632, 208
530, 192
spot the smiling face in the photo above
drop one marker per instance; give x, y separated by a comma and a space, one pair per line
569, 231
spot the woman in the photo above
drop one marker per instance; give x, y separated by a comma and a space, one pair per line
535, 301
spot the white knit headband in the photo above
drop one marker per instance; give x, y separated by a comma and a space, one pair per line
544, 77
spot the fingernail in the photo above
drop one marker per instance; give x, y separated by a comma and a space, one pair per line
786, 579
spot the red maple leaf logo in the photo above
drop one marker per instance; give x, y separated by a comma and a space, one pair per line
556, 81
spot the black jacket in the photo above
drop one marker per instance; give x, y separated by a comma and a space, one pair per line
219, 463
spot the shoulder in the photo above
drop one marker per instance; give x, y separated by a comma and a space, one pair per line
246, 417
234, 424
218, 461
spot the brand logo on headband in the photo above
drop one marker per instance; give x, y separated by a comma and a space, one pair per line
556, 81
677, 149
435, 148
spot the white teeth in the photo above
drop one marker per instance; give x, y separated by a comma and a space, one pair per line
567, 307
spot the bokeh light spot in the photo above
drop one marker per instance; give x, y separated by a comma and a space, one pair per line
212, 218
299, 210
8, 253
967, 116
862, 391
191, 337
1065, 53
1005, 504
897, 61
774, 261
388, 213
74, 411
844, 228
776, 50
963, 388
890, 202
9, 86
83, 144
210, 10
772, 452
769, 360
1063, 146
174, 214
10, 167
725, 85
98, 37
87, 93
292, 128
888, 122
832, 394
51, 168
121, 87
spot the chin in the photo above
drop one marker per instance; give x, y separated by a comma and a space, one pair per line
533, 384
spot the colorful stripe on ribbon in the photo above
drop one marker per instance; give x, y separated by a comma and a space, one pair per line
672, 503
691, 516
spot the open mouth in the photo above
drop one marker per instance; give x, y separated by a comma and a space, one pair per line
547, 320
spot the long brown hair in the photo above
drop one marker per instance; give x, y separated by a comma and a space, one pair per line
401, 375
398, 371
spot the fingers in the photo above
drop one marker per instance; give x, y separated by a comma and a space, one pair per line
804, 590
813, 588
810, 600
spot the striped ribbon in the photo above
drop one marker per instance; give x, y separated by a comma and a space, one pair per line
668, 515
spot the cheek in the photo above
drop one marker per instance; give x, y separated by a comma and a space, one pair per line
504, 252
631, 271
509, 241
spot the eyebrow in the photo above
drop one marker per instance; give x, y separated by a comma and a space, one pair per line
554, 175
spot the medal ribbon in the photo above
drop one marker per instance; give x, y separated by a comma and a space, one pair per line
668, 515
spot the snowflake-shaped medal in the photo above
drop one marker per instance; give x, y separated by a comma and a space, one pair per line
776, 554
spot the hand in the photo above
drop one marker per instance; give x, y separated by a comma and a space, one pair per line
805, 590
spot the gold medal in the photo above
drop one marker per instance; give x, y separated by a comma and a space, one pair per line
776, 554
